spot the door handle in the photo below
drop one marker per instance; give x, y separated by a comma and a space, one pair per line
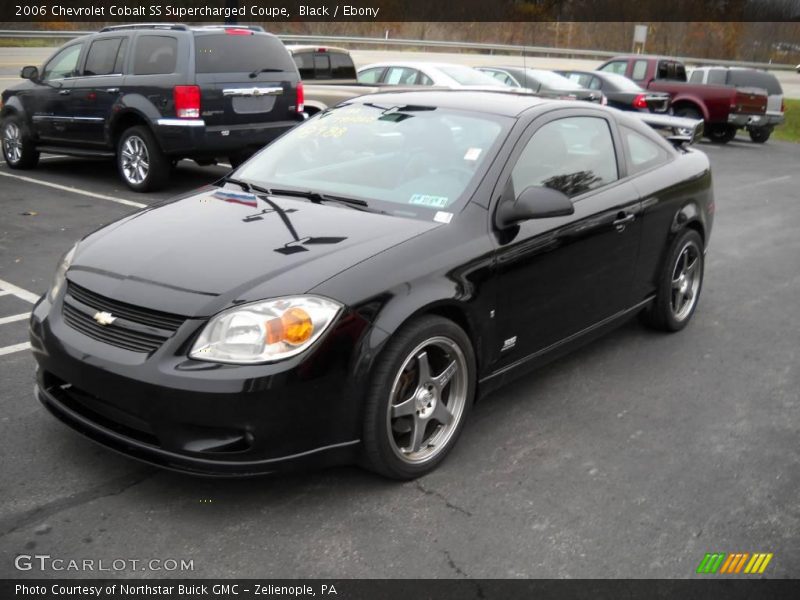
113, 90
623, 220
63, 92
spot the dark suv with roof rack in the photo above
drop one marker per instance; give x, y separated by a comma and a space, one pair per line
149, 95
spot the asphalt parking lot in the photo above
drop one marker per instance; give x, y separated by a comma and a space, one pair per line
631, 458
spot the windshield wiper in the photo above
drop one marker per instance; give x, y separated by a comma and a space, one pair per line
315, 197
265, 70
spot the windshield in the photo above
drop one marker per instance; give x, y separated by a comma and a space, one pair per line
468, 76
552, 81
622, 83
409, 160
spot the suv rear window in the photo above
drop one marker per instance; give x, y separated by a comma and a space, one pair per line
752, 78
224, 53
155, 55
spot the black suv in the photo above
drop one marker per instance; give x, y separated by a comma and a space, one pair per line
150, 95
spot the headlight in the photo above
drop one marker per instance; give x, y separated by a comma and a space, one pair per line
265, 331
60, 277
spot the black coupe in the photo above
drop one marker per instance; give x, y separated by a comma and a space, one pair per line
620, 92
348, 292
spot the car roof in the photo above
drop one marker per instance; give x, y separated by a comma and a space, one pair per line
505, 103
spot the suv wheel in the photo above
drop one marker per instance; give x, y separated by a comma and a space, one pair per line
18, 148
141, 163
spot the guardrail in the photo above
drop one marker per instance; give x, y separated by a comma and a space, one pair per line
490, 48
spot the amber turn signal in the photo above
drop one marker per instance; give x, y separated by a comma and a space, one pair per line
293, 327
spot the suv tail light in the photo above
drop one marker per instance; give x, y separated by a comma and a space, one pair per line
783, 106
640, 101
187, 101
301, 98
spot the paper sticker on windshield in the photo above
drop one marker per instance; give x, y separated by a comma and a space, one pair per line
472, 154
443, 217
426, 200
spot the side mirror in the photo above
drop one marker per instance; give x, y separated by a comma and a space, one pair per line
534, 202
29, 72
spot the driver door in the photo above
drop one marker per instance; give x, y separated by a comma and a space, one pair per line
558, 277
52, 110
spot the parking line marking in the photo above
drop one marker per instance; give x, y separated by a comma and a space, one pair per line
14, 318
10, 288
4, 293
67, 188
15, 348
766, 181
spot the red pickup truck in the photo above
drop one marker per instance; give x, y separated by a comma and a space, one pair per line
723, 108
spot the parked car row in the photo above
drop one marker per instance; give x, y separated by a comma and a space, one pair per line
150, 95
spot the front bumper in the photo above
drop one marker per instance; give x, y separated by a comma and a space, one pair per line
194, 138
200, 417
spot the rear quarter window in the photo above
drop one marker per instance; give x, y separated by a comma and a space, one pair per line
642, 153
225, 53
102, 57
155, 55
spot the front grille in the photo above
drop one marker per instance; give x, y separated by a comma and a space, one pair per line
137, 329
145, 316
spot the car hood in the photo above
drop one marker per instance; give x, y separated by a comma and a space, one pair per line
198, 254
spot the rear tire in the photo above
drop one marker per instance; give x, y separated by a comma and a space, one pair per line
721, 134
140, 162
18, 148
680, 284
421, 391
759, 135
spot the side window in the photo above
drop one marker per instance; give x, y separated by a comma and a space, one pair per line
595, 84
401, 76
717, 76
639, 70
643, 154
663, 70
102, 57
63, 64
615, 66
370, 75
119, 63
155, 55
573, 155
697, 77
424, 79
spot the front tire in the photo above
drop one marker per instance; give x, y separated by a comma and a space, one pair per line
421, 391
680, 284
759, 135
140, 162
18, 148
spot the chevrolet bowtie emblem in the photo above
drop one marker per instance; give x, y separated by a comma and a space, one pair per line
104, 318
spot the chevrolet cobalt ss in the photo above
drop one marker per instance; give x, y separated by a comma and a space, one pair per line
347, 293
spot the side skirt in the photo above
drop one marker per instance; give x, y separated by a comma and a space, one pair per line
521, 366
